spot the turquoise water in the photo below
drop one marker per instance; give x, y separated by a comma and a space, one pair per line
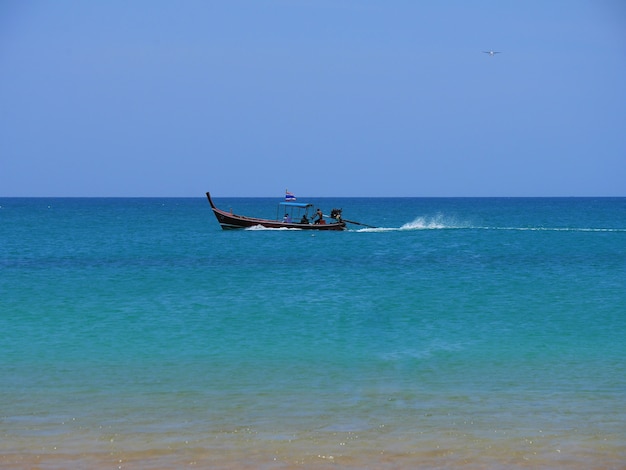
488, 333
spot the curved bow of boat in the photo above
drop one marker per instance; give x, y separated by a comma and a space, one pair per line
208, 195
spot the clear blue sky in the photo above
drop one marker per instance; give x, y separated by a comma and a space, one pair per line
324, 97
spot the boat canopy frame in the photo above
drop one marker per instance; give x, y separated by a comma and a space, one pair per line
301, 205
291, 207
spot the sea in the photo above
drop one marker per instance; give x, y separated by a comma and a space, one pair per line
435, 333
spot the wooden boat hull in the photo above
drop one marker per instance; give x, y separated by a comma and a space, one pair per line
230, 221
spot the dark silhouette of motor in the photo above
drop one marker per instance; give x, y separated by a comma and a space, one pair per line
336, 214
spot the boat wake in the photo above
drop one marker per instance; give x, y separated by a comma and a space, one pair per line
441, 222
553, 229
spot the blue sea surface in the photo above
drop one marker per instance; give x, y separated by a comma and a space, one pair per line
484, 332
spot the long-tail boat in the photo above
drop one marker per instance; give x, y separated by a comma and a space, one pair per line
296, 216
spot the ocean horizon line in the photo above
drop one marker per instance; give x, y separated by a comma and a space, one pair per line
203, 196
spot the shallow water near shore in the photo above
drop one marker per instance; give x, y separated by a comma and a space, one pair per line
487, 333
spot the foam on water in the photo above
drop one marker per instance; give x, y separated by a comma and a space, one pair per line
443, 223
437, 222
440, 221
255, 228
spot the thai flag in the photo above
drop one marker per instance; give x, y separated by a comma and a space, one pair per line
289, 196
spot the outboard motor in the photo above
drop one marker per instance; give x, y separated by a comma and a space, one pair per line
336, 214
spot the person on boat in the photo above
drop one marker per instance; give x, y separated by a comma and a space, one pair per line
287, 219
318, 217
304, 220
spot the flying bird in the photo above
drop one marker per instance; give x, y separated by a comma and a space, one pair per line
491, 53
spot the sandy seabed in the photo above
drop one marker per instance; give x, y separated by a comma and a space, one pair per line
244, 449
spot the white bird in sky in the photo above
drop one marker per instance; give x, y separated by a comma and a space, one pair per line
491, 53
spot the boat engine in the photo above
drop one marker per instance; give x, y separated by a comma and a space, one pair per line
336, 214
